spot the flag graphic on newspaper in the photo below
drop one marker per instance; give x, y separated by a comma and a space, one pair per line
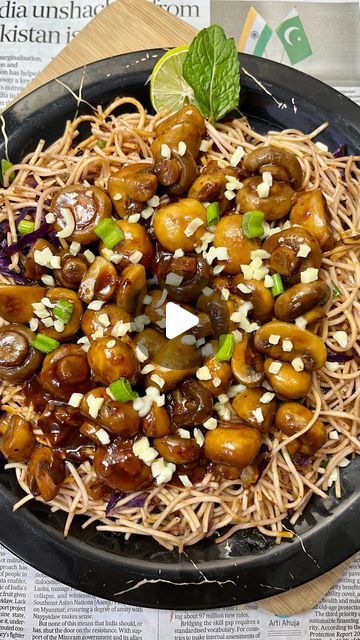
292, 35
255, 34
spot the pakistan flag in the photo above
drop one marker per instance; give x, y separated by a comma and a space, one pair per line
293, 38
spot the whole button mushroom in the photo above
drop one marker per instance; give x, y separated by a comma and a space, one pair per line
73, 269
131, 187
180, 225
78, 210
114, 416
229, 234
301, 298
247, 404
287, 382
310, 211
18, 359
112, 359
284, 247
99, 281
70, 328
93, 320
291, 418
65, 371
45, 473
176, 449
193, 271
280, 163
33, 270
304, 344
156, 423
260, 297
236, 445
16, 301
278, 203
131, 288
118, 467
136, 238
18, 441
210, 186
190, 404
247, 364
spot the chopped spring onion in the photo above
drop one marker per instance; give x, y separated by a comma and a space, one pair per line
122, 391
226, 347
5, 166
335, 290
253, 224
278, 286
44, 343
109, 232
63, 310
212, 214
25, 227
101, 144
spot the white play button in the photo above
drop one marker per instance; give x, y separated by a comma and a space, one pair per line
178, 320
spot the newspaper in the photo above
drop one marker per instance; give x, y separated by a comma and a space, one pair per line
33, 606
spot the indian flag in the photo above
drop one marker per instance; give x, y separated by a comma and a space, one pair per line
255, 34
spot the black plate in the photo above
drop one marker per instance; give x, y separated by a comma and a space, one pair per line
140, 572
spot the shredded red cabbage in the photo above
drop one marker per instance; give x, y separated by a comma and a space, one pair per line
341, 358
28, 239
137, 501
5, 271
340, 151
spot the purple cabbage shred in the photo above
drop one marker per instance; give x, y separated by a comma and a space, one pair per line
341, 358
6, 271
137, 501
28, 239
340, 151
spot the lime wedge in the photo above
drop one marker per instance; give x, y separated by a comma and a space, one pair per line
168, 89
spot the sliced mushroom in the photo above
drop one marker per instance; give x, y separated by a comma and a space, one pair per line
16, 301
278, 203
292, 417
236, 445
45, 473
111, 360
217, 309
73, 269
188, 113
156, 423
310, 212
304, 344
114, 416
72, 327
131, 187
190, 404
65, 371
284, 247
210, 186
18, 359
218, 371
262, 158
229, 234
136, 238
173, 362
260, 297
99, 282
119, 468
33, 270
288, 383
194, 271
247, 404
131, 288
86, 206
300, 298
152, 340
18, 441
247, 364
172, 225
176, 449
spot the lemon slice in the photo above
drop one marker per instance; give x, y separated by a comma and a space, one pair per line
168, 89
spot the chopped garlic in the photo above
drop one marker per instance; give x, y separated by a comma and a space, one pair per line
309, 275
205, 145
89, 255
188, 339
147, 212
237, 156
135, 217
203, 373
229, 195
104, 319
135, 257
59, 326
75, 399
263, 190
341, 338
247, 271
147, 299
181, 148
110, 344
48, 280
222, 253
207, 350
218, 269
69, 220
102, 436
94, 405
193, 226
275, 367
141, 352
268, 282
258, 415
210, 424
199, 437
165, 151
297, 364
244, 288
147, 369
173, 279
304, 251
235, 389
184, 434
48, 322
140, 446
120, 329
274, 338
332, 366
267, 397
267, 178
259, 253
154, 201
216, 382
158, 380
50, 218
225, 293
74, 248
185, 481
33, 324
333, 435
207, 291
321, 146
301, 322
287, 345
178, 253
223, 398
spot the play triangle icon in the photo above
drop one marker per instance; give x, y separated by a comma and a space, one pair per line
178, 320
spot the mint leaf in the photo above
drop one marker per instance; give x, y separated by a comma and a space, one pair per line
211, 68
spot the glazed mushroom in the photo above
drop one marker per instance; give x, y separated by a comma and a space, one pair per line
210, 186
18, 359
291, 418
278, 203
65, 371
311, 213
248, 406
287, 382
172, 363
190, 404
78, 209
99, 281
117, 417
112, 359
73, 269
131, 288
177, 450
150, 341
284, 247
45, 473
18, 441
236, 445
136, 238
180, 225
219, 370
193, 271
280, 163
55, 296
260, 297
93, 320
59, 421
156, 423
33, 270
131, 187
247, 363
217, 309
16, 301
298, 343
301, 298
117, 466
229, 234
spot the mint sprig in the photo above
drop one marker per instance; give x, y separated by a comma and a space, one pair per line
211, 68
